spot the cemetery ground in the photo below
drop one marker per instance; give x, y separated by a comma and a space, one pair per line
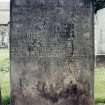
5, 86
4, 75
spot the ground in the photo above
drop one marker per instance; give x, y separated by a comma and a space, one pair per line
100, 85
4, 77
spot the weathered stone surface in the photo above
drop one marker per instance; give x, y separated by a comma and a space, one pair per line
52, 52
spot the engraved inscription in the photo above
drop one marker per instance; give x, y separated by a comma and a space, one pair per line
59, 42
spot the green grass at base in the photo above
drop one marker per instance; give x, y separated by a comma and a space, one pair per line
100, 85
4, 75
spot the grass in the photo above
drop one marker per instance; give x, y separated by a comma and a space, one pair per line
100, 85
4, 76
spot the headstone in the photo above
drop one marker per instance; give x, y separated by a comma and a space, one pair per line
52, 52
100, 32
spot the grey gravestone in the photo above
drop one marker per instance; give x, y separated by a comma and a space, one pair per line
52, 52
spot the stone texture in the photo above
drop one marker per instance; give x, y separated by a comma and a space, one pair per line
52, 52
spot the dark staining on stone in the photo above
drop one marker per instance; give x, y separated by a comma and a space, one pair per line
28, 2
69, 45
20, 82
74, 89
41, 87
67, 34
59, 4
67, 31
54, 90
87, 3
70, 35
34, 44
